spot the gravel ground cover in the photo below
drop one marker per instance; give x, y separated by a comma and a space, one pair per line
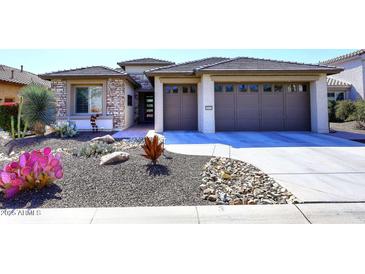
132, 183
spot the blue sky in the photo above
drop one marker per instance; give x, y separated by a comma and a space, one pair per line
42, 60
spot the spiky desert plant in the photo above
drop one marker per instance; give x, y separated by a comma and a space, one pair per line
39, 107
153, 149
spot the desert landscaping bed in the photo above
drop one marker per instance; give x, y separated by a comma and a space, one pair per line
176, 180
87, 184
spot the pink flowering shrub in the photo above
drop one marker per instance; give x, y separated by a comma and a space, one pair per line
35, 169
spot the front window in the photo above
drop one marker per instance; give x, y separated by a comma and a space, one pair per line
218, 88
254, 88
229, 88
242, 88
89, 100
267, 88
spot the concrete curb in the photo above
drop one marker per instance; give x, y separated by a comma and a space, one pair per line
256, 214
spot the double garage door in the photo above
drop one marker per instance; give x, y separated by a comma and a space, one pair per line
180, 107
267, 106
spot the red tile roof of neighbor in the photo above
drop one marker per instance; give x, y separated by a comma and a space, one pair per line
344, 57
21, 77
337, 83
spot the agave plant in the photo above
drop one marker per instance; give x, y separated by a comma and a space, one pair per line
36, 169
153, 148
39, 107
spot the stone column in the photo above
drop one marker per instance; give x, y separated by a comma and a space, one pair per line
319, 105
158, 105
59, 89
115, 102
206, 112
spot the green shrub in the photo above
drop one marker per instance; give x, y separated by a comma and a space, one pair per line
94, 149
345, 111
360, 113
332, 111
6, 111
39, 107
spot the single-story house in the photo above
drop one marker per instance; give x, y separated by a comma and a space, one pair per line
207, 95
353, 74
12, 80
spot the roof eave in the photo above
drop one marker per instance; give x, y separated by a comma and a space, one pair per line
123, 64
270, 72
169, 73
50, 77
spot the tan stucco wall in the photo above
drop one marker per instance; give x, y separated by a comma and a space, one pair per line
8, 90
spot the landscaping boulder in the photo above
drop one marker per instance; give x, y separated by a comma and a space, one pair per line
114, 158
151, 134
106, 139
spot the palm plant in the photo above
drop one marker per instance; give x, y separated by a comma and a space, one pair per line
39, 107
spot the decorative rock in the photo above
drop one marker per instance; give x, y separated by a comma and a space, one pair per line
106, 139
212, 198
208, 191
202, 186
113, 158
227, 181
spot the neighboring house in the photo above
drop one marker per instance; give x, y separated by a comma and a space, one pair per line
12, 80
208, 95
353, 73
338, 90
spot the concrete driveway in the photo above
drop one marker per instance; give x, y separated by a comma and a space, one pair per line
314, 167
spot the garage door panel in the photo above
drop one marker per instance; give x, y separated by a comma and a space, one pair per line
272, 108
297, 105
180, 109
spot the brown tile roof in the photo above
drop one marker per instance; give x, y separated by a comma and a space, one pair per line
20, 77
337, 83
247, 64
93, 71
146, 61
187, 67
241, 64
344, 57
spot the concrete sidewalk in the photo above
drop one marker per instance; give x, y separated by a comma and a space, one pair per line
258, 214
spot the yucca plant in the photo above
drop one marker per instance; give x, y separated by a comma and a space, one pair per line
39, 107
153, 149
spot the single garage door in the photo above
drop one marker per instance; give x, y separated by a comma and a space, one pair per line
180, 107
267, 106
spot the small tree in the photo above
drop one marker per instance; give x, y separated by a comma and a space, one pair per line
345, 111
39, 108
360, 113
332, 111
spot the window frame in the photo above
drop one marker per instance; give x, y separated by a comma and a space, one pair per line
129, 100
75, 87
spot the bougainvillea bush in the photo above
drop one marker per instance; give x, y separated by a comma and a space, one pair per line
33, 170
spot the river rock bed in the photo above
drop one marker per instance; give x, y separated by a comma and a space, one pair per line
232, 182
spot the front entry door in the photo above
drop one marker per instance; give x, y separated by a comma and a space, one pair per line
149, 108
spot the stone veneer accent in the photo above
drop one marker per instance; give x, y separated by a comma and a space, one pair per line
115, 102
60, 91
